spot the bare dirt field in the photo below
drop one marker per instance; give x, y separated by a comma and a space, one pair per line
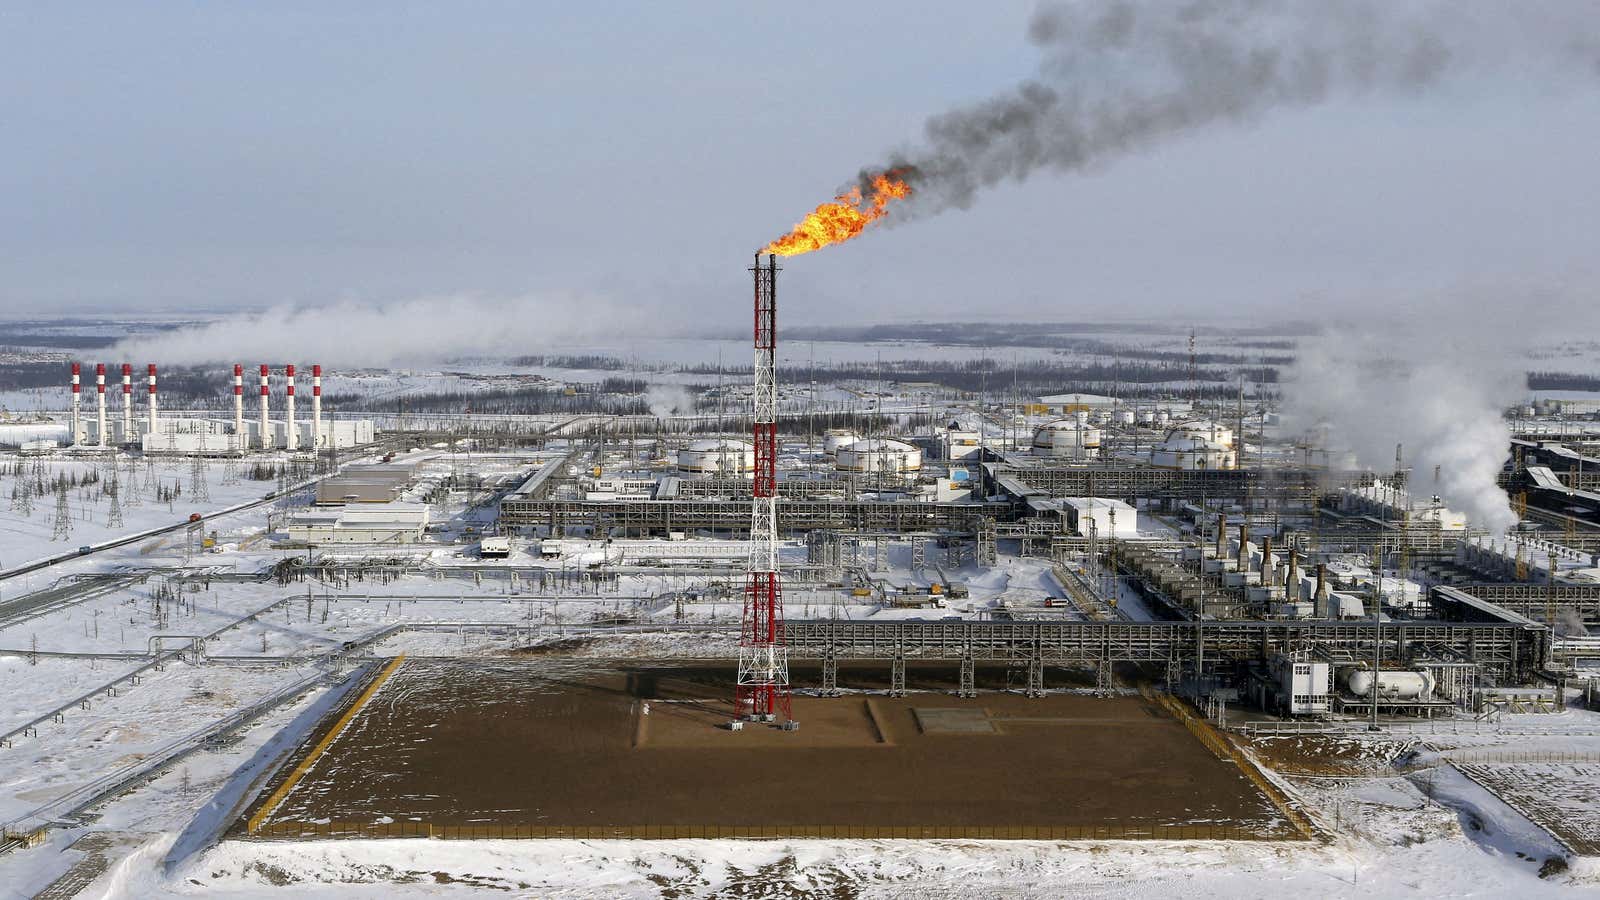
550, 742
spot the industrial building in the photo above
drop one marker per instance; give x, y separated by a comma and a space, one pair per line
386, 523
380, 483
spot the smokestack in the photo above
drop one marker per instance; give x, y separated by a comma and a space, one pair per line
289, 437
127, 403
150, 375
100, 400
238, 404
76, 434
1244, 552
1320, 596
1294, 575
1269, 572
316, 407
1222, 535
266, 435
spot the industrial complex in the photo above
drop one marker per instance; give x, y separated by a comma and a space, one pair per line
630, 592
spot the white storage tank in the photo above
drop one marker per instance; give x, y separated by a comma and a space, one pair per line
1195, 445
1405, 685
836, 438
1123, 417
1067, 437
716, 456
879, 455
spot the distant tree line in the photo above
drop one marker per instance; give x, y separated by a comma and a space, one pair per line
1562, 381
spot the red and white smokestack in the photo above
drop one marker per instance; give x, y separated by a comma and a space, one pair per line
100, 399
77, 434
127, 403
151, 374
316, 407
238, 404
266, 434
290, 439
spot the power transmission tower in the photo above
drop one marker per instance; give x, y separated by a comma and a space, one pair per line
113, 489
199, 490
63, 523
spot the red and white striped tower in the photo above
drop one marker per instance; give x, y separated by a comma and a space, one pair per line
100, 399
127, 402
266, 433
238, 404
151, 375
290, 439
316, 407
77, 424
762, 692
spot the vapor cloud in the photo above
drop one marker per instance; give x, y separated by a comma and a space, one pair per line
422, 330
1438, 388
1118, 78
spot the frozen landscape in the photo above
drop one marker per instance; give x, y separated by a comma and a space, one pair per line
1045, 448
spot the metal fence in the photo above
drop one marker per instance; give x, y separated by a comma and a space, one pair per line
292, 830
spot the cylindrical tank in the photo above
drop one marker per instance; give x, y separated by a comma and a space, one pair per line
836, 438
1399, 685
718, 455
1124, 417
878, 456
1147, 418
1066, 437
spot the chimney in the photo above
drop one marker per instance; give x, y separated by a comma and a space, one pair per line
1222, 535
238, 404
1294, 575
150, 376
1320, 597
127, 403
1269, 572
289, 437
100, 399
266, 433
316, 407
77, 434
1244, 548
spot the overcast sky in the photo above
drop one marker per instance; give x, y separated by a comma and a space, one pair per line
183, 155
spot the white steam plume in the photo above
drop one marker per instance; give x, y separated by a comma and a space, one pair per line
668, 400
1430, 386
422, 330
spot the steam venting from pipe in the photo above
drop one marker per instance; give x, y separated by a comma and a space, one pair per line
1119, 78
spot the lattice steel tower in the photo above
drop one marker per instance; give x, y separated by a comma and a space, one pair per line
763, 688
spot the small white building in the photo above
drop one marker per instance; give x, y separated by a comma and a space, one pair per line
380, 523
879, 455
1109, 518
958, 443
718, 456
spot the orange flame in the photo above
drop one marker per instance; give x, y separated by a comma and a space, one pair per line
842, 219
